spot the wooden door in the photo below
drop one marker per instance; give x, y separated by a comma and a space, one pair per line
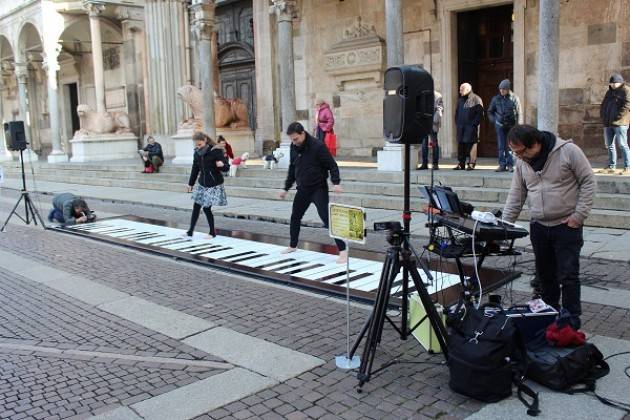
485, 53
237, 67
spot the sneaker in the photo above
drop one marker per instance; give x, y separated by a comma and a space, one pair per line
607, 170
458, 168
501, 169
470, 167
625, 171
436, 167
423, 167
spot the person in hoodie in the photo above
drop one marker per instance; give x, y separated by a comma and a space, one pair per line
310, 163
467, 119
324, 120
209, 163
615, 113
504, 112
557, 180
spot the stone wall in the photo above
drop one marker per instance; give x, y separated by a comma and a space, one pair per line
594, 42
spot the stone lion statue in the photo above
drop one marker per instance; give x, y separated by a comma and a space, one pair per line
231, 113
93, 122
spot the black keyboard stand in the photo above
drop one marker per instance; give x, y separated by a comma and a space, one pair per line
458, 251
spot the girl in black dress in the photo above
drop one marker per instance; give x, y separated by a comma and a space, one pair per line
209, 161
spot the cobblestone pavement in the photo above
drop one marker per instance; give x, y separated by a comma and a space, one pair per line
415, 387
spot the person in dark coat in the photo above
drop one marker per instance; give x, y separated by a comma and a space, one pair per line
467, 119
226, 146
504, 112
310, 163
209, 162
615, 113
69, 209
152, 156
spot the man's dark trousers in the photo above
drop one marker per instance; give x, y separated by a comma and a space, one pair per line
301, 202
505, 155
433, 137
557, 251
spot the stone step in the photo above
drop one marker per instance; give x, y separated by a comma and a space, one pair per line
170, 173
376, 190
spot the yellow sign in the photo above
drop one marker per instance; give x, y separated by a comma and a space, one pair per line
347, 223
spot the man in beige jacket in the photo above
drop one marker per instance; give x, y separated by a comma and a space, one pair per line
557, 180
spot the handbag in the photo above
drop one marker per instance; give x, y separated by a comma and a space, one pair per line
330, 140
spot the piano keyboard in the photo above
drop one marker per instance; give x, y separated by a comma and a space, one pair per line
307, 268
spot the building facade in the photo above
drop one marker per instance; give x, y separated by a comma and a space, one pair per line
279, 56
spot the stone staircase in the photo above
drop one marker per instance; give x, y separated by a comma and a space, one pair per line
363, 187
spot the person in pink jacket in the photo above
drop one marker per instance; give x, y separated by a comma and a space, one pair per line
324, 120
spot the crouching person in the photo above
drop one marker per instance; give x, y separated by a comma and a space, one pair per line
70, 209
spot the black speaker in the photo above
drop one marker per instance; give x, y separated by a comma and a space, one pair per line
14, 136
408, 104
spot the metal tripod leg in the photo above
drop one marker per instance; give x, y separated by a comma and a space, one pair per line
34, 212
389, 273
6, 222
429, 307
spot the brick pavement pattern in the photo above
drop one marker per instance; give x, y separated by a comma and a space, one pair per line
415, 387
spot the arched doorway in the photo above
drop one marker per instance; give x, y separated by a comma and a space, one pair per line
8, 88
237, 66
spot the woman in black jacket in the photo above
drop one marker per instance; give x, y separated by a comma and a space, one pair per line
208, 163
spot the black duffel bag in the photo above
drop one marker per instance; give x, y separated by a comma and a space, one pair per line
486, 356
562, 368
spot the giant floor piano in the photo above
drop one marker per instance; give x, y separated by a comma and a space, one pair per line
260, 256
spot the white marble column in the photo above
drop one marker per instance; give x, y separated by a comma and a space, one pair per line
21, 73
51, 66
133, 32
267, 129
94, 11
391, 157
203, 26
548, 65
5, 155
284, 10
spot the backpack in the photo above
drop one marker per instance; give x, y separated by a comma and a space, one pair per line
486, 355
561, 368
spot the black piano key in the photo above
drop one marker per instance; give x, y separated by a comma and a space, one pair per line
172, 242
138, 238
206, 249
134, 234
356, 277
228, 257
332, 276
217, 250
274, 263
115, 230
249, 257
305, 268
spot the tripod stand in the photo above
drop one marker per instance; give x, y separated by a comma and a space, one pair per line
30, 210
398, 256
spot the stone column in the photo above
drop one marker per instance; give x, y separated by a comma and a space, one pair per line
132, 27
21, 73
203, 25
284, 10
548, 64
266, 118
391, 157
51, 66
5, 155
94, 10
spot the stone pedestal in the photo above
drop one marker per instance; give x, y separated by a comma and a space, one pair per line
392, 158
184, 146
242, 140
57, 158
102, 147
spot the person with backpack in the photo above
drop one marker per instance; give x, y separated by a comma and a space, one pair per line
557, 180
504, 112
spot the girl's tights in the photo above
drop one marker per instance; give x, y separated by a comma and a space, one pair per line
195, 216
